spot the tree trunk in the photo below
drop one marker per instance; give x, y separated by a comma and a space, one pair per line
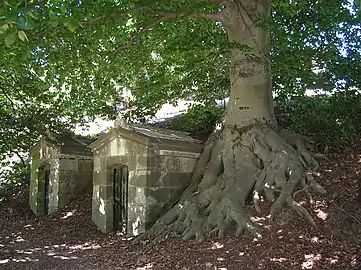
250, 75
247, 154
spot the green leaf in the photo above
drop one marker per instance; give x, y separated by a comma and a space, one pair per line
3, 28
71, 25
10, 36
22, 22
63, 9
52, 15
32, 15
54, 19
54, 23
23, 36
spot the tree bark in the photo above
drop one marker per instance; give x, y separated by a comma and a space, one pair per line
250, 74
248, 155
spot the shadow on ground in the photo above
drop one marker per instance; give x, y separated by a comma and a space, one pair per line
68, 239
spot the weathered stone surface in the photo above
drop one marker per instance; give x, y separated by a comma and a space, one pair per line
64, 181
149, 224
67, 164
188, 164
85, 165
81, 182
109, 216
132, 193
136, 226
64, 187
154, 195
64, 176
136, 210
138, 179
157, 174
100, 177
96, 193
173, 164
177, 153
142, 162
177, 164
64, 199
76, 182
102, 215
139, 197
97, 217
117, 160
140, 149
155, 211
175, 194
176, 179
116, 147
97, 164
153, 161
106, 192
154, 178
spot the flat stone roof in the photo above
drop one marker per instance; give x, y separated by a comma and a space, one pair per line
162, 133
150, 135
68, 143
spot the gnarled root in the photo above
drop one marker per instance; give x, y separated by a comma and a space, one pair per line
256, 160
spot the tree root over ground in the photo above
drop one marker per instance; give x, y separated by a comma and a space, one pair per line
255, 161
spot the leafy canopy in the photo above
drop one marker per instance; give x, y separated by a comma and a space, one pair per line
64, 60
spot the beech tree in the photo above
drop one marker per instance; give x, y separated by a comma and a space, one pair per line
166, 50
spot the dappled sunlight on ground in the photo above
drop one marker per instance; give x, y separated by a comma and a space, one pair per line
69, 240
53, 252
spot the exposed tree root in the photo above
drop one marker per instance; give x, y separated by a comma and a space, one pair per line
235, 164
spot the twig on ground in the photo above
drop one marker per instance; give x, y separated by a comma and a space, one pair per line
350, 215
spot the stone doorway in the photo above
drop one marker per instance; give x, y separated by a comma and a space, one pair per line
120, 195
44, 180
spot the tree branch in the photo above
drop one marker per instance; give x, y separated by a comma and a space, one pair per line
8, 98
39, 3
165, 13
20, 157
168, 16
115, 14
94, 20
13, 120
218, 2
209, 16
138, 34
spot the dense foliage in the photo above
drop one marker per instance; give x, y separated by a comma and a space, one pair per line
63, 61
332, 121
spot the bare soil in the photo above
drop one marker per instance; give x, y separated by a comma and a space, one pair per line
69, 240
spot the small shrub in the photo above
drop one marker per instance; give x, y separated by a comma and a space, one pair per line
16, 176
332, 121
199, 121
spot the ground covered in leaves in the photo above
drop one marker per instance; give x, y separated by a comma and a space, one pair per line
69, 240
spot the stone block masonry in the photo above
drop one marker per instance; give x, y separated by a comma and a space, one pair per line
159, 164
62, 167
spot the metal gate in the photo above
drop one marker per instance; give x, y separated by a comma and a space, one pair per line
46, 173
120, 195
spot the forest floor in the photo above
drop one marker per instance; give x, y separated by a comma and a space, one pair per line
69, 240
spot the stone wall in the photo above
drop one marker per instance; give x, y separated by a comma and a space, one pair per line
118, 151
69, 175
154, 190
75, 177
156, 179
44, 156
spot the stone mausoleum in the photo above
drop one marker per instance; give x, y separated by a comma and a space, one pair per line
139, 171
62, 167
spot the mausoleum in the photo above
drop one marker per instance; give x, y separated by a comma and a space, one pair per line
139, 171
62, 167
